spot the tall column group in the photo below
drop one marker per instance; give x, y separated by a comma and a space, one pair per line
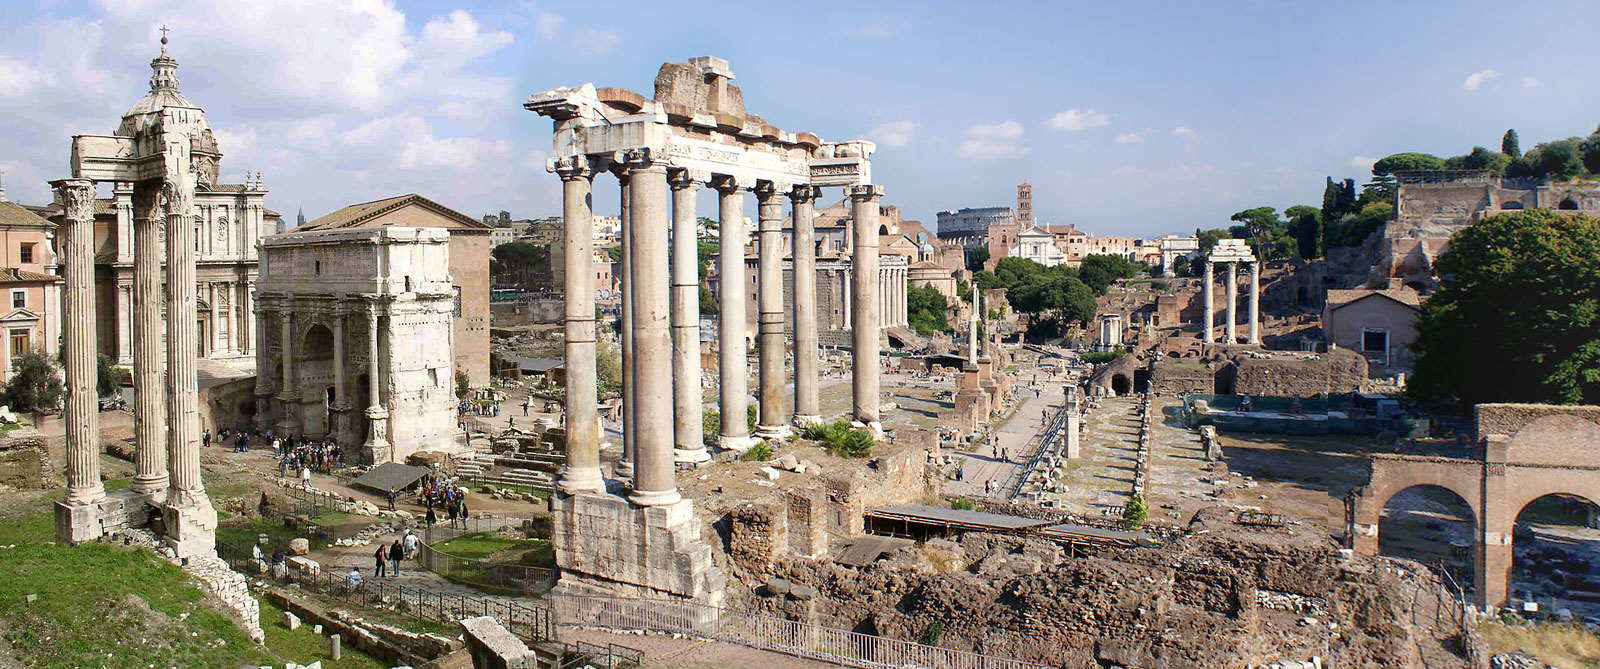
1231, 291
660, 330
82, 411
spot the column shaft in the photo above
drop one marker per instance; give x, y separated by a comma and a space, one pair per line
377, 449
1255, 302
1231, 331
340, 403
688, 429
216, 318
773, 422
289, 393
235, 341
867, 308
263, 362
82, 411
654, 481
807, 400
149, 365
124, 323
629, 443
582, 473
1209, 303
183, 341
731, 359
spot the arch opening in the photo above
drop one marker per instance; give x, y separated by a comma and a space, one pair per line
315, 375
1568, 204
1121, 385
1432, 525
1512, 205
1555, 556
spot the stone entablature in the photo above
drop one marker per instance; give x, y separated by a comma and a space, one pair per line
328, 300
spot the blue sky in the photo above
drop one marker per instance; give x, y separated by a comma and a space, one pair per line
1129, 118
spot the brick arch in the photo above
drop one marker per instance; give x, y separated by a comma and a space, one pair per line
1392, 474
1556, 440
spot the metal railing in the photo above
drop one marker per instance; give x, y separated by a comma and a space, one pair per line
530, 622
512, 579
609, 656
764, 632
1036, 451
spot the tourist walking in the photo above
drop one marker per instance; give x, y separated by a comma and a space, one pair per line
396, 554
381, 558
205, 439
432, 517
305, 477
411, 545
463, 504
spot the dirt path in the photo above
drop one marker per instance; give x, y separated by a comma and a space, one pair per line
665, 652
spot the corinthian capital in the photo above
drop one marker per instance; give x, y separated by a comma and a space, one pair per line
866, 193
805, 193
682, 179
643, 159
176, 199
571, 168
77, 198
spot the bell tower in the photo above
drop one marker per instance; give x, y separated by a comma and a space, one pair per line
1024, 206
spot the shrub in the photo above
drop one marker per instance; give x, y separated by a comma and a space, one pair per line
840, 439
963, 504
711, 419
758, 453
1102, 357
1137, 511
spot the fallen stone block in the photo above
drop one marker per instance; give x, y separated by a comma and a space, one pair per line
291, 620
778, 586
300, 546
770, 473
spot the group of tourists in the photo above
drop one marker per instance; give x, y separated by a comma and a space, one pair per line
454, 503
388, 557
299, 454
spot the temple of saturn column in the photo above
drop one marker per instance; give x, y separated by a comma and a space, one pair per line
165, 149
693, 132
1232, 252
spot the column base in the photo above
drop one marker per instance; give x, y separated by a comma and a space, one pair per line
190, 524
586, 480
773, 433
736, 444
77, 523
655, 497
624, 470
873, 427
150, 487
691, 455
605, 545
803, 421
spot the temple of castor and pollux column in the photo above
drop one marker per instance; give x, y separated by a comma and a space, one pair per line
694, 133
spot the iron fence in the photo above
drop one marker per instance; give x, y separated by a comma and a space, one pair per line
530, 622
609, 656
764, 632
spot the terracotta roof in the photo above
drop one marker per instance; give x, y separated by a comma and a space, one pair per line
1341, 298
14, 275
12, 213
371, 214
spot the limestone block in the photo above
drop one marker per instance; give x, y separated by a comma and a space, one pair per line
300, 546
304, 565
291, 620
768, 472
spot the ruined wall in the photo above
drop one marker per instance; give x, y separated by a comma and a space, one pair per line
24, 461
1335, 372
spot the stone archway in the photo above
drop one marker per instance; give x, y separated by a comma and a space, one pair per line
315, 372
1432, 525
1121, 385
1553, 544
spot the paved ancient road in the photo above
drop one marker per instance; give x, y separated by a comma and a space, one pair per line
1012, 437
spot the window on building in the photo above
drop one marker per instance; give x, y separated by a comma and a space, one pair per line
25, 253
19, 299
1374, 341
20, 343
319, 267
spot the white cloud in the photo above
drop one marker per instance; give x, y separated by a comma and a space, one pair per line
1363, 163
1530, 82
549, 25
1185, 132
999, 140
598, 41
1477, 79
1074, 120
894, 134
1133, 137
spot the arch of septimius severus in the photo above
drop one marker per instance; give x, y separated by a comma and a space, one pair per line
694, 132
165, 149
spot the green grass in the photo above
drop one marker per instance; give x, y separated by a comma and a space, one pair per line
36, 528
480, 545
114, 485
304, 646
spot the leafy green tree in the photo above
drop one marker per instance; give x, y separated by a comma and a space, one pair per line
35, 383
1561, 160
463, 385
608, 368
927, 310
1484, 159
985, 280
1508, 145
708, 302
1517, 313
1406, 162
1268, 234
1591, 152
1352, 229
614, 253
964, 291
1180, 266
1099, 271
109, 377
1305, 223
521, 263
977, 257
1209, 238
1136, 512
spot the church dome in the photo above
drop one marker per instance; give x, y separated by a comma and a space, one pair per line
163, 92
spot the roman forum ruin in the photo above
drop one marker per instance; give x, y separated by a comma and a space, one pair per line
1232, 252
165, 149
694, 131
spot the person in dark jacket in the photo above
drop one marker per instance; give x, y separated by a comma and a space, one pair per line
381, 558
396, 554
432, 517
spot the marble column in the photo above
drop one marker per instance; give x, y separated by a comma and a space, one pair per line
253, 337
807, 400
235, 342
289, 391
630, 449
582, 473
217, 316
339, 409
263, 371
849, 290
972, 329
732, 361
654, 482
867, 311
1230, 330
1255, 303
688, 428
377, 449
189, 518
124, 323
773, 421
1208, 303
82, 410
149, 367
